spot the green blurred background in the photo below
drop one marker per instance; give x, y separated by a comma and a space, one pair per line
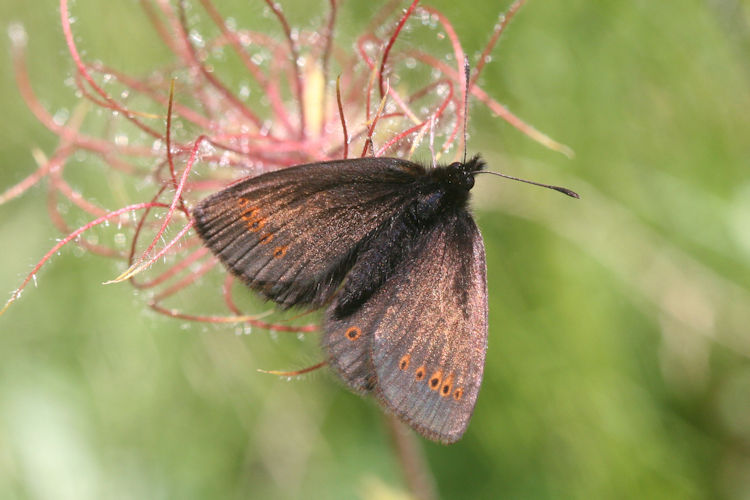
620, 324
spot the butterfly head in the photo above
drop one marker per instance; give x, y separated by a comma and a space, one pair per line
460, 175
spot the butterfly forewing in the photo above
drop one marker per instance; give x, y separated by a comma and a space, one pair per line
426, 331
293, 234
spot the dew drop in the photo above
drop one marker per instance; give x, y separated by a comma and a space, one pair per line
17, 34
61, 116
197, 38
121, 139
120, 239
225, 159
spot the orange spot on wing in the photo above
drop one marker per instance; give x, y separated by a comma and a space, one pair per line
353, 333
250, 213
266, 238
447, 385
256, 225
404, 363
435, 380
279, 252
458, 394
420, 373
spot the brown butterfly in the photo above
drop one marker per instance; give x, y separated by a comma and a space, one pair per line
392, 250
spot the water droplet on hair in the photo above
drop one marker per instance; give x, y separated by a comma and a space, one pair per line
197, 39
120, 239
17, 34
61, 116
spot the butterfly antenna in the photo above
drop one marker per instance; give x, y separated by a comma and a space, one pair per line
562, 190
294, 373
432, 141
467, 73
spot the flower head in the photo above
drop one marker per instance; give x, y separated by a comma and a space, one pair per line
183, 131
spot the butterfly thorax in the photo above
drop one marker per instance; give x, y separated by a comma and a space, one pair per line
436, 195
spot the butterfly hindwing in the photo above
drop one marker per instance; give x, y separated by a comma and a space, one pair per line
293, 234
426, 331
348, 343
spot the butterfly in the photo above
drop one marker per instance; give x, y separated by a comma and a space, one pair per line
390, 249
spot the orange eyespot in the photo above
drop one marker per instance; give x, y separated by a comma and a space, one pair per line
420, 373
353, 333
435, 380
447, 385
458, 393
404, 363
256, 225
279, 252
266, 238
250, 214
